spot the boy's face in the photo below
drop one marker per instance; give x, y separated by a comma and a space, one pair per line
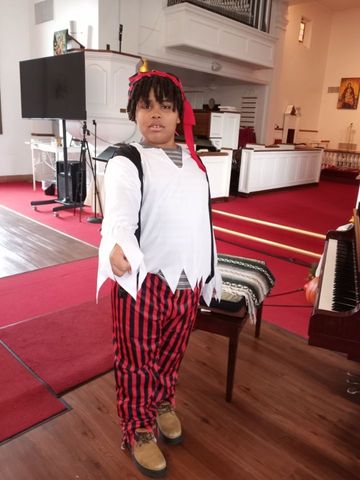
157, 122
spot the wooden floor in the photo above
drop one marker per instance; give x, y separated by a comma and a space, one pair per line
290, 419
26, 245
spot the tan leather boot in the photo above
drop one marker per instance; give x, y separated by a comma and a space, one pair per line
147, 455
169, 424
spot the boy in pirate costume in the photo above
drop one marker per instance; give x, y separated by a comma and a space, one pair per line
161, 273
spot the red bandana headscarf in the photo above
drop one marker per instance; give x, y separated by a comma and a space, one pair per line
188, 114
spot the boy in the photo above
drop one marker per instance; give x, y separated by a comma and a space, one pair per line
159, 279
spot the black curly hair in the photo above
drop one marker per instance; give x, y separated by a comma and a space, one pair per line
164, 90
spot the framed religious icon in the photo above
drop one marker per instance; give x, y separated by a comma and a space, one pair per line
349, 93
60, 42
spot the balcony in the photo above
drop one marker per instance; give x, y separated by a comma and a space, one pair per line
198, 30
255, 13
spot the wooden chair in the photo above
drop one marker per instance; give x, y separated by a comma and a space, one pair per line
227, 321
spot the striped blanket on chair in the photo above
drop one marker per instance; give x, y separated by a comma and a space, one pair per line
243, 279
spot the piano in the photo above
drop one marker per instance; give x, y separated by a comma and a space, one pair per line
335, 320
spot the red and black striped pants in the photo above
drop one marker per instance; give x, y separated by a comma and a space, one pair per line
150, 336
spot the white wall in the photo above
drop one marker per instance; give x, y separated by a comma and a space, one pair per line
342, 61
109, 20
83, 12
129, 16
21, 39
301, 75
15, 45
272, 93
86, 15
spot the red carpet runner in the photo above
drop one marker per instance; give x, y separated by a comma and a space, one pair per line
65, 348
46, 290
24, 401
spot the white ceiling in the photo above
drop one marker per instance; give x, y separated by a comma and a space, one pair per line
335, 5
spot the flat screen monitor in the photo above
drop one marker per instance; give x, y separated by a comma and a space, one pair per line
54, 87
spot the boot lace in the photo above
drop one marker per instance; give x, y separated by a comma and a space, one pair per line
165, 408
144, 437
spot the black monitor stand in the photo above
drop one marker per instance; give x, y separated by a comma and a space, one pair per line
66, 202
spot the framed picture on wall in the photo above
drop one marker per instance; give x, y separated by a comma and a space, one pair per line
60, 42
349, 93
63, 42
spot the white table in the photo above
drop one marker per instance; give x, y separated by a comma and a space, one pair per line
271, 168
218, 166
44, 156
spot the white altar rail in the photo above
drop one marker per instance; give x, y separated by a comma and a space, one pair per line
341, 159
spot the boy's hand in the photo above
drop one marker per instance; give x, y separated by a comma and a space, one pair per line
118, 261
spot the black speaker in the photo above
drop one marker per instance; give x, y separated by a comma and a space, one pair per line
76, 181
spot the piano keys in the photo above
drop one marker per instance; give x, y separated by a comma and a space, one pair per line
335, 320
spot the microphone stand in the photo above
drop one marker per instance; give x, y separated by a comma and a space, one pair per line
95, 218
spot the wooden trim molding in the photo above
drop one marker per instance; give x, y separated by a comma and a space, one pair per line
212, 154
16, 178
103, 51
35, 134
300, 130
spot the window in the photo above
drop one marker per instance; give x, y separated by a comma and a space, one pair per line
305, 32
302, 30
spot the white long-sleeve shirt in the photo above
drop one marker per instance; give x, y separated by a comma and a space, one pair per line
175, 225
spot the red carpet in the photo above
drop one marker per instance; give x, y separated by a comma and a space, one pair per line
47, 290
65, 348
24, 401
315, 208
288, 238
318, 208
17, 196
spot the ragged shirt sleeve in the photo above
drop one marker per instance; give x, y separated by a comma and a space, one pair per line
121, 215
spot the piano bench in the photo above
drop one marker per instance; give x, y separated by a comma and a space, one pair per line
245, 284
227, 324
